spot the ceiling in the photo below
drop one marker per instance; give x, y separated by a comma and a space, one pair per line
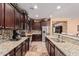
45, 10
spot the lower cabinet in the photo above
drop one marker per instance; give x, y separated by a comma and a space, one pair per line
23, 48
48, 46
27, 44
20, 50
52, 49
12, 53
58, 52
36, 37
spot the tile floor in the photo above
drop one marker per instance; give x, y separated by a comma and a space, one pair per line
37, 49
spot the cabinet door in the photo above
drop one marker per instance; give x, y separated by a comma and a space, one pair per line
12, 53
58, 52
52, 50
48, 46
1, 15
21, 22
9, 16
27, 45
18, 50
23, 48
17, 19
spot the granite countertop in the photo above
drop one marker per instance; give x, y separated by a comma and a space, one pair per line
73, 37
34, 32
7, 46
69, 36
67, 48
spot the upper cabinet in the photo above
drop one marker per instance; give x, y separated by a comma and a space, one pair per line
26, 22
12, 17
1, 15
21, 22
36, 25
17, 19
9, 16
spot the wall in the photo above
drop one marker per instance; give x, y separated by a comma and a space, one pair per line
64, 26
72, 26
54, 20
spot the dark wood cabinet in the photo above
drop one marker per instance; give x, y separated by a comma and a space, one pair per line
18, 50
11, 53
24, 48
26, 22
52, 49
48, 45
58, 52
9, 16
1, 15
36, 26
36, 37
21, 22
27, 44
17, 19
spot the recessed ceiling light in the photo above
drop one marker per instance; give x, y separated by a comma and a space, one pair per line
35, 7
50, 16
36, 15
58, 7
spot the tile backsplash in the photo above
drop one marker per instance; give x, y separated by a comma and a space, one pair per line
6, 34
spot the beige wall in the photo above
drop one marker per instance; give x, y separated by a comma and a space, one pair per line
64, 25
53, 20
71, 26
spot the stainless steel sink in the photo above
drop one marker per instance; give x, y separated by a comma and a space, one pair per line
57, 39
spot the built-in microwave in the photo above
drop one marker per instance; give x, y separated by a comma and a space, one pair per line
58, 29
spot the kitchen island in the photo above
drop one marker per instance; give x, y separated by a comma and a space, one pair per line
14, 48
61, 48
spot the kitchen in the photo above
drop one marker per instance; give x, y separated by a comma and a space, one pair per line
24, 33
